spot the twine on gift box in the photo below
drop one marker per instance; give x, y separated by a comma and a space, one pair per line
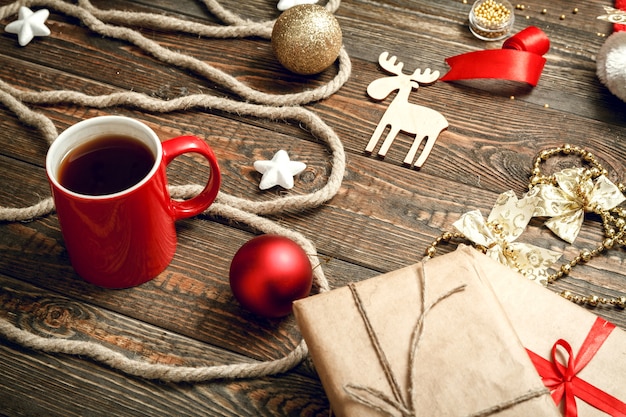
374, 398
254, 104
404, 404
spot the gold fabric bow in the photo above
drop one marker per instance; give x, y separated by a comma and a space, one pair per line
506, 222
576, 193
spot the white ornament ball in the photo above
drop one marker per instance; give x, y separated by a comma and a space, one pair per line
611, 64
288, 4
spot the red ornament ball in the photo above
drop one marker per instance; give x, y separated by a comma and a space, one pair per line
268, 273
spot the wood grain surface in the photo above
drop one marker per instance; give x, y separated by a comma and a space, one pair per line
383, 217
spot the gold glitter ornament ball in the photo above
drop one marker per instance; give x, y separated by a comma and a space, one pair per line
306, 39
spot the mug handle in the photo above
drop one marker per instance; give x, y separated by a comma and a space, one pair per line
184, 144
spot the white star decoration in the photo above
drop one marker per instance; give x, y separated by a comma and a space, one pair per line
279, 171
288, 4
29, 25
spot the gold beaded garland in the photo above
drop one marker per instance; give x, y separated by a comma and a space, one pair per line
613, 223
306, 39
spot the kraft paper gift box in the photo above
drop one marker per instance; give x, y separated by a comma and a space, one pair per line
426, 340
541, 318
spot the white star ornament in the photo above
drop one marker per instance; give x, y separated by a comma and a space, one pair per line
29, 25
279, 171
288, 4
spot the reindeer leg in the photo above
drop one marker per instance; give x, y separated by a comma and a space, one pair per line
393, 132
375, 137
430, 142
410, 156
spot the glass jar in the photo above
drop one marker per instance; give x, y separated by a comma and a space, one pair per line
491, 20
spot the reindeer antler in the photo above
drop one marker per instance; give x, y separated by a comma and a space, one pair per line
389, 64
425, 77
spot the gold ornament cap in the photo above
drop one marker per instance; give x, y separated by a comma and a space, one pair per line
306, 39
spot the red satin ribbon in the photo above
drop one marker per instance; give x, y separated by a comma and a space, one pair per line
563, 382
520, 59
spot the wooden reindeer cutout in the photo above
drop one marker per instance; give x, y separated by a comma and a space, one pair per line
402, 116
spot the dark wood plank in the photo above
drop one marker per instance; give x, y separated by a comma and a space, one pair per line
383, 217
77, 385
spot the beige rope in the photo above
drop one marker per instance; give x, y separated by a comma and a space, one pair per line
254, 104
188, 62
146, 370
307, 118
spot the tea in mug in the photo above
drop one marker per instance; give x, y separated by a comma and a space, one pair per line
106, 165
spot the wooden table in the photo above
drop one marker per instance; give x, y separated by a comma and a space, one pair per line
383, 217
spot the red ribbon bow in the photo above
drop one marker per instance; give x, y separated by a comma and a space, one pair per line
621, 5
520, 59
563, 381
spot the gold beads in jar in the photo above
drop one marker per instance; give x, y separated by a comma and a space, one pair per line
491, 20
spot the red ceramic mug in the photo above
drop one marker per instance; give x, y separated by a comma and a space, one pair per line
120, 238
